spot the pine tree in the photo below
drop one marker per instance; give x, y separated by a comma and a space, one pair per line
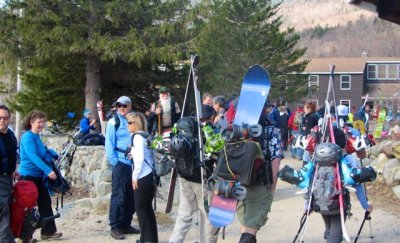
93, 33
241, 33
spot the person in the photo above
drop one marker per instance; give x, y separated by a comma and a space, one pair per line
8, 155
333, 229
35, 166
87, 123
165, 111
294, 124
282, 124
113, 110
309, 121
220, 121
117, 143
359, 121
343, 112
252, 212
143, 182
207, 99
191, 199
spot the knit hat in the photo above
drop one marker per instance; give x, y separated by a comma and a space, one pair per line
86, 112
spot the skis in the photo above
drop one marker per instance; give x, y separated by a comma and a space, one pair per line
254, 93
171, 191
187, 107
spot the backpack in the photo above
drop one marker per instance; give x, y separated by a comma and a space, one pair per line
185, 149
297, 118
325, 198
240, 161
162, 165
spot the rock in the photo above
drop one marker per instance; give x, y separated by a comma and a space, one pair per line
383, 144
85, 203
367, 161
387, 150
396, 191
379, 163
391, 172
396, 149
103, 189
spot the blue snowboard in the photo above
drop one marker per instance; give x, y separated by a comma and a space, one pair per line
255, 89
254, 93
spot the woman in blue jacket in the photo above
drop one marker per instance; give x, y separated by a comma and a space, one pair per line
33, 167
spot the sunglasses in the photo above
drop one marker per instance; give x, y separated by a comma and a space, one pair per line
120, 105
4, 118
131, 122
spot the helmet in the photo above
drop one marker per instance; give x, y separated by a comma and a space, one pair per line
328, 153
180, 146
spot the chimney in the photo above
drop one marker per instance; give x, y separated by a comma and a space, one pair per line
364, 54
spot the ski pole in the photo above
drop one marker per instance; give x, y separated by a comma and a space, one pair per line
302, 221
366, 217
366, 197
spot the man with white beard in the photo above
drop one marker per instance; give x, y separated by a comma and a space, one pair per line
164, 112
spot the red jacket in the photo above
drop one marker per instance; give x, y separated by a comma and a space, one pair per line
291, 124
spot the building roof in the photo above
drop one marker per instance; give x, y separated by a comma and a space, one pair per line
345, 65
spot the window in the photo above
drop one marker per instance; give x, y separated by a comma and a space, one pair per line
313, 80
345, 82
392, 71
381, 71
346, 103
371, 71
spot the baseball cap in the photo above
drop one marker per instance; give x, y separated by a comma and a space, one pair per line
123, 100
86, 112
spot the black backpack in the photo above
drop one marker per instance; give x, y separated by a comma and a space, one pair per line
188, 162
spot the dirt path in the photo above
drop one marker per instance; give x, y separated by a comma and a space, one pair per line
82, 225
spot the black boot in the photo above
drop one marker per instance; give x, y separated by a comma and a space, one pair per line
247, 238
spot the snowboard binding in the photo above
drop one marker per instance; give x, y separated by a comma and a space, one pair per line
226, 188
244, 131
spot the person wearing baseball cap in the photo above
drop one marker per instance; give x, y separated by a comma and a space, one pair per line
117, 144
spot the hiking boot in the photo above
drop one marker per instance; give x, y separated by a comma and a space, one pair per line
117, 234
130, 230
54, 236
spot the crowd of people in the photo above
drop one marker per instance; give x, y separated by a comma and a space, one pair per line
132, 162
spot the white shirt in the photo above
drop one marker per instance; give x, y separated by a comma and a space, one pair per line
141, 154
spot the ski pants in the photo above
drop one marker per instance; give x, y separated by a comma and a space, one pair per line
333, 228
122, 203
6, 235
191, 200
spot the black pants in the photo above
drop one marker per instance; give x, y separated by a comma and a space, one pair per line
122, 204
147, 219
6, 235
333, 228
44, 205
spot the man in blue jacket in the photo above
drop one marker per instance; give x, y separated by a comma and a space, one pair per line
118, 141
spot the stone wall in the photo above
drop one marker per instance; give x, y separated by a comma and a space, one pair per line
385, 158
89, 167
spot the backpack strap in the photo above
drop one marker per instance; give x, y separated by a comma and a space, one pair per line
4, 157
116, 126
